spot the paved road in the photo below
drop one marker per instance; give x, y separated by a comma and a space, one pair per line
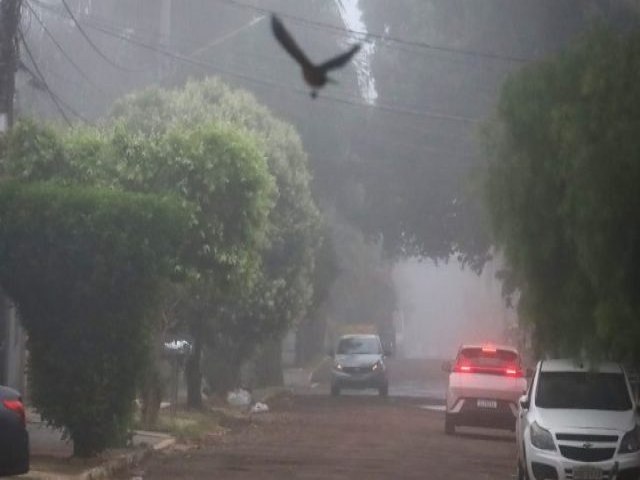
319, 437
407, 378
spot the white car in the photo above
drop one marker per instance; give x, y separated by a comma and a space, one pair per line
578, 422
485, 384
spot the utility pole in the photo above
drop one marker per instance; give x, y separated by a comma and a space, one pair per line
9, 21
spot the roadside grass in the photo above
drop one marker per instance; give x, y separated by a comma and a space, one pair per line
188, 426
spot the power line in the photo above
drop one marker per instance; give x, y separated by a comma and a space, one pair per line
249, 78
209, 66
384, 38
227, 36
58, 102
108, 29
91, 42
53, 96
62, 50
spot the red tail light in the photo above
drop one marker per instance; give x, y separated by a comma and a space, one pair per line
514, 372
17, 407
462, 368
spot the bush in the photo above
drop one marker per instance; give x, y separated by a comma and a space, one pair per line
84, 268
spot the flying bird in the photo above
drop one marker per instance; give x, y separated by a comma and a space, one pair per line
316, 76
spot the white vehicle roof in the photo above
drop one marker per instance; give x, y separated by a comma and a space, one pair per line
572, 365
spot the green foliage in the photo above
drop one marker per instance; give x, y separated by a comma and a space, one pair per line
563, 197
283, 289
84, 268
218, 169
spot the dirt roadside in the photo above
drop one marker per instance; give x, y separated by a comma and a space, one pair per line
318, 437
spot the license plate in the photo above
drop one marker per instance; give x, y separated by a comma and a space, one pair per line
587, 473
487, 403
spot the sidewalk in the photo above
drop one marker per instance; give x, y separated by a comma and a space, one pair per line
51, 456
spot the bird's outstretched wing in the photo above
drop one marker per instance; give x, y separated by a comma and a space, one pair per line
340, 60
288, 43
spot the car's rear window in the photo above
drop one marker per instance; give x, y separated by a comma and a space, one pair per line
358, 345
583, 390
488, 358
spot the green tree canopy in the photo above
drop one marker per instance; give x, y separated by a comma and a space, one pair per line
562, 192
84, 268
283, 290
218, 168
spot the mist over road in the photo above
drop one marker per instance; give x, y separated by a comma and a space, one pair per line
415, 378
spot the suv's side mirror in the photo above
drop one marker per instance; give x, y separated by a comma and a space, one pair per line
446, 367
524, 402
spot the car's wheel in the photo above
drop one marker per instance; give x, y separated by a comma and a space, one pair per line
449, 425
335, 391
384, 391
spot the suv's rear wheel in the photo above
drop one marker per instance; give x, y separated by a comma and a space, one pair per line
449, 425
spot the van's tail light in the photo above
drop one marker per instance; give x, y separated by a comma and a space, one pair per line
17, 407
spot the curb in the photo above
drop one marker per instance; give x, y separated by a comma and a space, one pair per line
110, 468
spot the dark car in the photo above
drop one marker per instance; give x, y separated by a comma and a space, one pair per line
359, 363
14, 439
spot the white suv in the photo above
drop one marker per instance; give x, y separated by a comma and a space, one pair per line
578, 422
485, 384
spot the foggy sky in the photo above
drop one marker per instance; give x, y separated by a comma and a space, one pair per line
444, 306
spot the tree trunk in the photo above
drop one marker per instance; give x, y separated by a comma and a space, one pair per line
152, 384
194, 375
310, 338
221, 369
269, 364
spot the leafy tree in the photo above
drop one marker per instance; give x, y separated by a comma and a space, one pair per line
215, 167
414, 169
282, 291
84, 267
561, 188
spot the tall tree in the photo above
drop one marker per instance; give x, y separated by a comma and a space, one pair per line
415, 166
283, 289
84, 268
562, 192
220, 169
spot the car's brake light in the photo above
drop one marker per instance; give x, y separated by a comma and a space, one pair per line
17, 407
462, 368
513, 372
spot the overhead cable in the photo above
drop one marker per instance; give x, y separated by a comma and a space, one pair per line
62, 49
